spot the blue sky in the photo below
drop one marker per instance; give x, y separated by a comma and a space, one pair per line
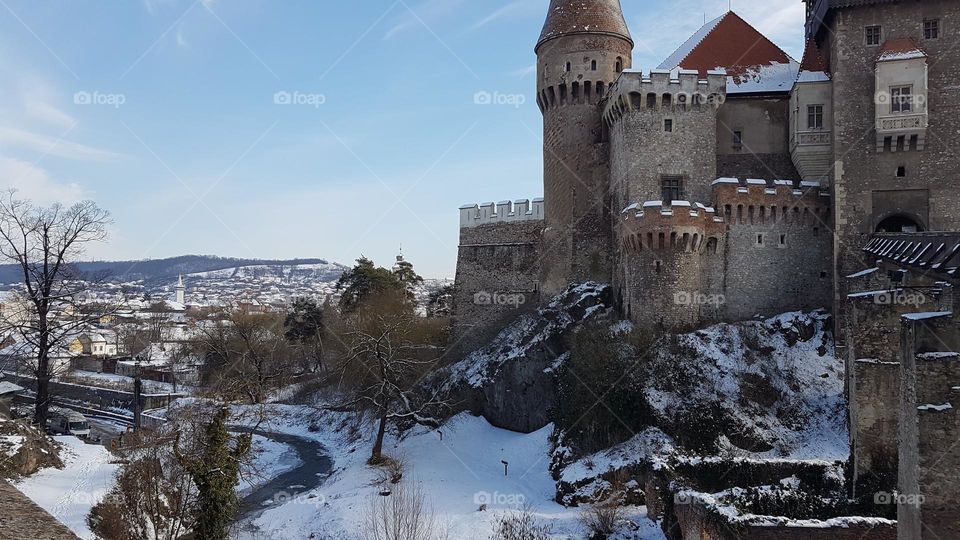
166, 113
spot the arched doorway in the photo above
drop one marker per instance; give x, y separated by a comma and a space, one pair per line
899, 223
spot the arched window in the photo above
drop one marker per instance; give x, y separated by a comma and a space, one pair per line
899, 223
619, 64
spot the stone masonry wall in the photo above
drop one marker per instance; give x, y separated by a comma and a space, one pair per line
498, 265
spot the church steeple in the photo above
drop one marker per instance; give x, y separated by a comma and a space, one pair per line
569, 17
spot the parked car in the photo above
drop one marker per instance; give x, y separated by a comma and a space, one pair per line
67, 422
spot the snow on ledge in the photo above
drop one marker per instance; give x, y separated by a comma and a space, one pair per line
935, 408
863, 273
927, 315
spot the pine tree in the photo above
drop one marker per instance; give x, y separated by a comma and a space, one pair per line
215, 472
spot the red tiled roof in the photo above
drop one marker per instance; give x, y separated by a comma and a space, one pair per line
900, 49
731, 44
567, 17
812, 59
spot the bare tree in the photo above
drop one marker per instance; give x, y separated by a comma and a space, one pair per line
382, 370
43, 243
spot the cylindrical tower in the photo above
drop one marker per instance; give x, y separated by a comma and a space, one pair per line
584, 46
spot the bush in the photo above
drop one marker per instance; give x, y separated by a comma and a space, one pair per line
601, 519
404, 514
520, 525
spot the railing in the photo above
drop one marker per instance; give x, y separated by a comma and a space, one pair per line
811, 138
902, 122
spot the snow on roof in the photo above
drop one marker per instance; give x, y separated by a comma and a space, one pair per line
753, 63
688, 46
900, 49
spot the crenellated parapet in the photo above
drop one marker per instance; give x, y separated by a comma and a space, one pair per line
680, 226
664, 91
761, 202
502, 212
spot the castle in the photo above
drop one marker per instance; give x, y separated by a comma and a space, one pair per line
732, 182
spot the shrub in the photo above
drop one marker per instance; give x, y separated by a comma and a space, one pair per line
520, 525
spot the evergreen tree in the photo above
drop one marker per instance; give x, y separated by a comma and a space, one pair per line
215, 472
366, 286
440, 302
306, 327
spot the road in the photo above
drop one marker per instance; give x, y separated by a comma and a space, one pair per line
289, 486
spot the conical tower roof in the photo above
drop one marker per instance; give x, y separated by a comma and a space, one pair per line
567, 17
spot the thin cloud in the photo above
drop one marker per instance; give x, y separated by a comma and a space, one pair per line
34, 183
428, 12
18, 138
523, 73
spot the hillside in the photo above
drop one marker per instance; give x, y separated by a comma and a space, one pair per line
163, 271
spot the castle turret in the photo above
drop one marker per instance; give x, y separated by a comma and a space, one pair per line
584, 46
181, 290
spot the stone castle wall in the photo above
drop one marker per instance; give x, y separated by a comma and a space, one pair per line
498, 265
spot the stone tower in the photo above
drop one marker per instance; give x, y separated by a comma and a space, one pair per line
181, 290
584, 46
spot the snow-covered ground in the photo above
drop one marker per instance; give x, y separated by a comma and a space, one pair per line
68, 494
458, 473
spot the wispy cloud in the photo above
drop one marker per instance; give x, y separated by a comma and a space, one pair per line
13, 138
525, 72
34, 183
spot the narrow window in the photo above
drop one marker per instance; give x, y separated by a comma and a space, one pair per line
901, 143
593, 65
569, 66
668, 125
783, 240
759, 239
914, 142
901, 99
887, 144
672, 188
619, 66
814, 117
901, 171
737, 139
931, 29
872, 34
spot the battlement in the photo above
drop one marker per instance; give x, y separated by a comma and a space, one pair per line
674, 91
574, 93
679, 226
761, 202
502, 212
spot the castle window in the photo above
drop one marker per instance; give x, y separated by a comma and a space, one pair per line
783, 240
619, 64
814, 116
672, 188
593, 65
759, 239
914, 142
931, 29
901, 143
887, 144
668, 125
657, 265
737, 140
569, 66
872, 35
901, 99
901, 171
823, 275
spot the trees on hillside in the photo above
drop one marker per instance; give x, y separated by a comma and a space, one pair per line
44, 243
